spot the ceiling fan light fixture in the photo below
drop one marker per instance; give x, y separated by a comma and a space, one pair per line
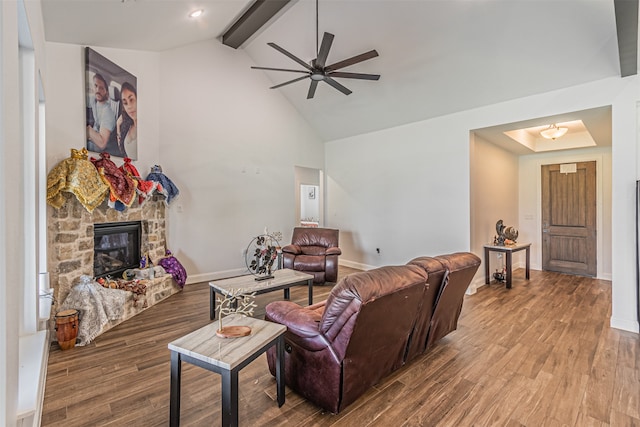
553, 132
317, 70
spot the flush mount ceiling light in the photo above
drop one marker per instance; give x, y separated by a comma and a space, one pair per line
196, 13
553, 132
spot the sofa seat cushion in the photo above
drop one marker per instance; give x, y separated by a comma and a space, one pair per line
313, 250
308, 263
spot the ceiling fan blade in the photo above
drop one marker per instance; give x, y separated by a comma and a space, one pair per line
289, 82
280, 69
352, 60
327, 40
337, 85
312, 89
355, 75
290, 55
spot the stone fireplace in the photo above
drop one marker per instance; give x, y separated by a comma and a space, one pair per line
71, 234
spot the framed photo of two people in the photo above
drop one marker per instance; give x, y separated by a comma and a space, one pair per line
112, 107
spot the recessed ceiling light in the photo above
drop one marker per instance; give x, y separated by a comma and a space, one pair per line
196, 13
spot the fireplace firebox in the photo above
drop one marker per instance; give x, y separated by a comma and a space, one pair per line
116, 247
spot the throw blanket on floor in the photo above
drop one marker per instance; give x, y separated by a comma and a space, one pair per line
96, 306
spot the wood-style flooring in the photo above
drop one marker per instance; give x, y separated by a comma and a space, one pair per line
540, 354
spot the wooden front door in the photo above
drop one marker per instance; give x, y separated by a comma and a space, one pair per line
569, 218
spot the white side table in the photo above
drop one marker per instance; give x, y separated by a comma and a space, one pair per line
226, 356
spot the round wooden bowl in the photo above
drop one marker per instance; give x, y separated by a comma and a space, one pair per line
233, 331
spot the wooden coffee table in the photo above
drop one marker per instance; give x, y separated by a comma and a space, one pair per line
226, 356
282, 279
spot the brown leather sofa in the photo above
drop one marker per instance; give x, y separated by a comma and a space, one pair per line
372, 324
314, 251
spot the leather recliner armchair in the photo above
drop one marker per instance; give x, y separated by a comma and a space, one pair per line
313, 251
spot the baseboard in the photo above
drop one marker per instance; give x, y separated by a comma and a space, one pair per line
625, 325
357, 265
475, 285
217, 275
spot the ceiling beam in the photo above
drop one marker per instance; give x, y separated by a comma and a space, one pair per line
627, 28
258, 14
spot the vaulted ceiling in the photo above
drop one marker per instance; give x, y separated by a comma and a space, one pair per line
436, 56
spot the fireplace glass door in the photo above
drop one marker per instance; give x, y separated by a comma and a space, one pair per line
116, 248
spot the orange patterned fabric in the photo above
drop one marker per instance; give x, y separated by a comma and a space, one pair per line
121, 185
145, 188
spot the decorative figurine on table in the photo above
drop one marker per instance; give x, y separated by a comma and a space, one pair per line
511, 235
261, 255
229, 305
499, 240
506, 235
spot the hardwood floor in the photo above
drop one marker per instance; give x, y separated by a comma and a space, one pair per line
539, 354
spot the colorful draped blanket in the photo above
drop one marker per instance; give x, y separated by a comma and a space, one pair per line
167, 187
78, 176
145, 188
121, 185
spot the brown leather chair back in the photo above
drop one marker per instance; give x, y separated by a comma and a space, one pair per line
462, 267
436, 272
314, 241
368, 320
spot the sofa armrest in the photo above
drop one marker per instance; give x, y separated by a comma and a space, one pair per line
299, 320
302, 325
292, 249
333, 251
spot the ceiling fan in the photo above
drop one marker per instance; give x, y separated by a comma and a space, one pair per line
318, 71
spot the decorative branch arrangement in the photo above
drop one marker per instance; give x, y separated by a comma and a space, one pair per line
229, 305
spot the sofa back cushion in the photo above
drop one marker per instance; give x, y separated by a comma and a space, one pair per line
368, 318
436, 272
462, 266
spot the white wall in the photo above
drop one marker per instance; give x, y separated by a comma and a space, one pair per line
494, 196
406, 189
531, 208
230, 145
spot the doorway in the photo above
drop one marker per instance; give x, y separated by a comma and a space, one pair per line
569, 236
309, 199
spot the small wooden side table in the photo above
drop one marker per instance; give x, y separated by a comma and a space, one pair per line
226, 356
508, 251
